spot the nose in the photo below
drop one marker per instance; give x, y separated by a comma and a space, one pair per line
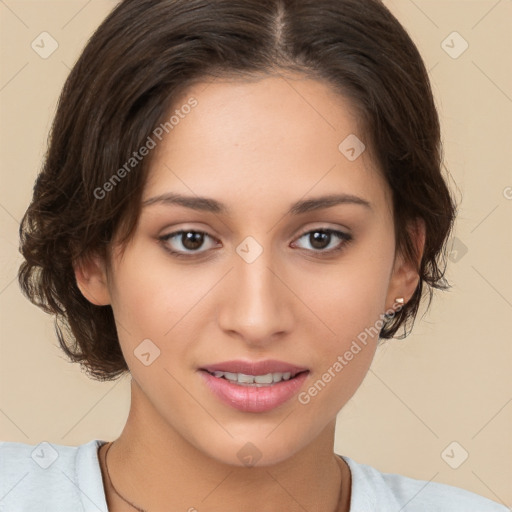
256, 304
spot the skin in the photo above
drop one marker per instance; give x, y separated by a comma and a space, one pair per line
257, 146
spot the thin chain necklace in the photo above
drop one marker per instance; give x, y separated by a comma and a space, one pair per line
144, 510
115, 490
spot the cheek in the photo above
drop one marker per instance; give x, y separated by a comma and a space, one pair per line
348, 299
149, 293
159, 302
349, 306
341, 360
143, 306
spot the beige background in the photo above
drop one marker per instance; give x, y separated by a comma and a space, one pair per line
450, 380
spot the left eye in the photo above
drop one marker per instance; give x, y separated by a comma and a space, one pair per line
321, 239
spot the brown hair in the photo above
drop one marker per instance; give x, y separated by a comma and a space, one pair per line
146, 53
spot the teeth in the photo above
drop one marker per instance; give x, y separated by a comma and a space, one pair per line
245, 379
264, 379
253, 380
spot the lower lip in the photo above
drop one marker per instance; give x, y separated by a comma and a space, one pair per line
253, 398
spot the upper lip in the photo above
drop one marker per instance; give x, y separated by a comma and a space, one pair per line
254, 367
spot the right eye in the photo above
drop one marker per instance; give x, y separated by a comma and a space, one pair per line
186, 242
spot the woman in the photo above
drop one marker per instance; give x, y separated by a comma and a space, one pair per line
239, 200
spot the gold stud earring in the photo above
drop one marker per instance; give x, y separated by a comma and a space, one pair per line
400, 300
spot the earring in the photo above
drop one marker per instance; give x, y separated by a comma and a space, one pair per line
398, 300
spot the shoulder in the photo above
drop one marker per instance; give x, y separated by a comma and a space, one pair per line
375, 490
47, 476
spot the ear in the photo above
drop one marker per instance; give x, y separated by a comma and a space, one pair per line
405, 278
91, 279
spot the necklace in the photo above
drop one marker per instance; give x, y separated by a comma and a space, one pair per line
115, 490
144, 510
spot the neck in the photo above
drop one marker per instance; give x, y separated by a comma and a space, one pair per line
151, 464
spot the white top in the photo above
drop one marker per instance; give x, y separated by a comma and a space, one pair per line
59, 478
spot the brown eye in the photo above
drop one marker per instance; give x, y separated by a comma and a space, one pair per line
326, 240
192, 240
319, 239
185, 242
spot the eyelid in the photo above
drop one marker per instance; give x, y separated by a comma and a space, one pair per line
323, 227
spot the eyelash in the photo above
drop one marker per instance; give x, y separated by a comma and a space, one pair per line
345, 237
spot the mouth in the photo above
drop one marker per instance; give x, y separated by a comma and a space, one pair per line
254, 386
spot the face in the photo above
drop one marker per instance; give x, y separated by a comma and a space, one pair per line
246, 277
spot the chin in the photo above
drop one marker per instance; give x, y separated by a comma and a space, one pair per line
253, 449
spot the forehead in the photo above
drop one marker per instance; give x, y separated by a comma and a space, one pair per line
270, 138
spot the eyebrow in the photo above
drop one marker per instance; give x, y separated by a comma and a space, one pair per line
212, 205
